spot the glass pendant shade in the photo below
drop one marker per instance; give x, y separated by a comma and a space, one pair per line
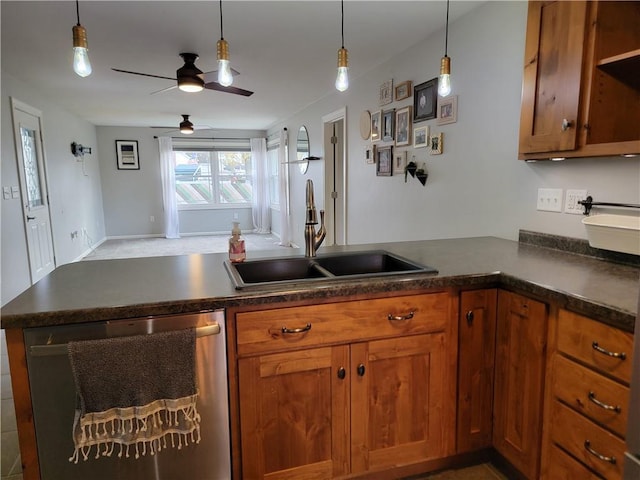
342, 80
81, 63
444, 80
225, 77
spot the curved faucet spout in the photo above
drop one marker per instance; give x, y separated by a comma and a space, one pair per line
312, 240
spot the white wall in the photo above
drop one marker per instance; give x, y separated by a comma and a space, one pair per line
477, 186
75, 193
132, 197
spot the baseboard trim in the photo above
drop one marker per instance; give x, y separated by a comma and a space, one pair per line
89, 250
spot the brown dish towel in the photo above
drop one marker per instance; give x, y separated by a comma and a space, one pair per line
134, 392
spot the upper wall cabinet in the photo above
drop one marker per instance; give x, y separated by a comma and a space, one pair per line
581, 83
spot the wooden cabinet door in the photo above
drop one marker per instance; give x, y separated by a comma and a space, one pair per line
294, 414
402, 402
552, 76
476, 355
519, 380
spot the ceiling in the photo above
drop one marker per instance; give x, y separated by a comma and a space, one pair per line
285, 51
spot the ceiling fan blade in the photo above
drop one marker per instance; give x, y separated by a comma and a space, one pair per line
164, 90
234, 90
212, 75
143, 74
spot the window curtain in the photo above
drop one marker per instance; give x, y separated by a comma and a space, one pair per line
261, 204
283, 185
169, 199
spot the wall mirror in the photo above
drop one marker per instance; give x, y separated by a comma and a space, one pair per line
302, 149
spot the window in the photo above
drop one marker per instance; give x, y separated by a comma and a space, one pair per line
273, 154
210, 174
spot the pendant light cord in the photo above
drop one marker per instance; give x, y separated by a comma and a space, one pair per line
78, 11
342, 13
221, 34
446, 31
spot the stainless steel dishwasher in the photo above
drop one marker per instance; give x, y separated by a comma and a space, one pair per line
54, 400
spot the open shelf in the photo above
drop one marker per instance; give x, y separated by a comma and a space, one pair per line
624, 67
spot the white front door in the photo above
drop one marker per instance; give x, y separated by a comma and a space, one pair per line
33, 187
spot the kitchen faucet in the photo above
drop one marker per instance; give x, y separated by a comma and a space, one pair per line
312, 240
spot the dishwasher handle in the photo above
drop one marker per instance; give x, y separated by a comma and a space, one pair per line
61, 348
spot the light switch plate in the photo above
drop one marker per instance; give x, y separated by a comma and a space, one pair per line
6, 193
550, 199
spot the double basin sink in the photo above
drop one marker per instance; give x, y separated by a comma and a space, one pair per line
344, 265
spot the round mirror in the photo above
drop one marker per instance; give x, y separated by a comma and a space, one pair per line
302, 149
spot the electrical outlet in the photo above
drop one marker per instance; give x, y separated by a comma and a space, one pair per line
550, 199
571, 204
235, 215
152, 218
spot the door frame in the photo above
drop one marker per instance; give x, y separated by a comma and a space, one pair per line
341, 204
17, 105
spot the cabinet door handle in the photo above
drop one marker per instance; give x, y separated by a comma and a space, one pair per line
566, 124
342, 373
360, 370
398, 318
593, 399
598, 348
297, 330
604, 458
469, 316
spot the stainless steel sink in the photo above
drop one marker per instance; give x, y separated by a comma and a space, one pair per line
344, 265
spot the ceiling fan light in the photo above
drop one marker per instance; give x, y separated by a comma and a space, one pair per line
190, 78
186, 127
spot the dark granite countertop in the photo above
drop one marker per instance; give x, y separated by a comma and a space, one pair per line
110, 289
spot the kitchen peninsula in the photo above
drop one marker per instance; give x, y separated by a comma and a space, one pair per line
536, 273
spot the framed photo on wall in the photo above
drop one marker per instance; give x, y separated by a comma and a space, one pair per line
425, 100
386, 93
399, 162
447, 110
421, 137
388, 125
403, 90
436, 145
403, 126
127, 155
384, 161
376, 122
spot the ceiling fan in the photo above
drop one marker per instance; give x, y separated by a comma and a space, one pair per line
186, 126
190, 78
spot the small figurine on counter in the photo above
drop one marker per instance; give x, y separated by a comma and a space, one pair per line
237, 252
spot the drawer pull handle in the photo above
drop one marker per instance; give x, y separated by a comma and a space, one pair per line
587, 446
399, 318
361, 370
297, 330
598, 348
614, 408
342, 373
470, 316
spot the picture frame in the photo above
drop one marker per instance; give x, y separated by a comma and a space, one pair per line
403, 126
369, 152
127, 155
421, 137
399, 162
436, 144
388, 125
384, 161
425, 100
403, 90
376, 124
447, 110
386, 93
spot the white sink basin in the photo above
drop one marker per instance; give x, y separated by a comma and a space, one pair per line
620, 233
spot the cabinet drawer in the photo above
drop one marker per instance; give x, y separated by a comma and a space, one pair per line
571, 431
589, 341
593, 395
297, 327
565, 467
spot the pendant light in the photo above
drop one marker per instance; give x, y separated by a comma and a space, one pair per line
444, 80
186, 127
225, 77
342, 80
81, 63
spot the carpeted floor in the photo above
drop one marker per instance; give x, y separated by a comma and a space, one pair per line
160, 246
